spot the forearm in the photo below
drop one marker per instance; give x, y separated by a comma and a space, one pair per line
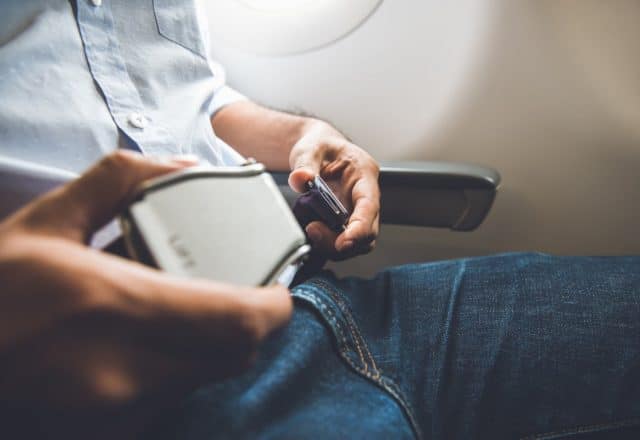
264, 134
310, 147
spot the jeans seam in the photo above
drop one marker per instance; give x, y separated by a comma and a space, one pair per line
333, 320
357, 336
583, 429
386, 383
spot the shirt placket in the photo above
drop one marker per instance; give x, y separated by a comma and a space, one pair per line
109, 71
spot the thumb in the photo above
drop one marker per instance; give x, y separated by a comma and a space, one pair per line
299, 177
82, 206
305, 167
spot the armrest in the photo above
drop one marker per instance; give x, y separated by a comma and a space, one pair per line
432, 194
451, 195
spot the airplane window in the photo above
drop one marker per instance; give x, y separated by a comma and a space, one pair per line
279, 27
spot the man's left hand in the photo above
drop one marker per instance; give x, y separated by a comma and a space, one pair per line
352, 174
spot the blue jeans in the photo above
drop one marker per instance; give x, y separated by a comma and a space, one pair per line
506, 346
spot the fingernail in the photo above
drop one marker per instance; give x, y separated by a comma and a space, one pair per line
346, 246
181, 160
185, 159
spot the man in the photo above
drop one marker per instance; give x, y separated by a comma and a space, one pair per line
95, 346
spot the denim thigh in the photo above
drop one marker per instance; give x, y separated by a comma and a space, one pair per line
506, 346
300, 387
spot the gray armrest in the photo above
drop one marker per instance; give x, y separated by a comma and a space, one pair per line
437, 194
434, 194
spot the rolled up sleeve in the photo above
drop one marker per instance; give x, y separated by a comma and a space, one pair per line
224, 96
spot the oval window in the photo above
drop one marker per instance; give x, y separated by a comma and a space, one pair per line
279, 27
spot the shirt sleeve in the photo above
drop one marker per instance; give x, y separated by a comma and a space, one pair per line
224, 96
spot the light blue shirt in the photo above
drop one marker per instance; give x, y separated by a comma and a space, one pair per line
79, 79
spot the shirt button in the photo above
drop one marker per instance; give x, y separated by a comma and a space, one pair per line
96, 2
137, 120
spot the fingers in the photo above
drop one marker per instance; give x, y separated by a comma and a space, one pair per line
238, 318
363, 225
85, 204
322, 238
202, 330
100, 193
356, 175
329, 244
118, 329
191, 316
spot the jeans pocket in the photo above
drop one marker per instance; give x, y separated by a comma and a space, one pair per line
178, 22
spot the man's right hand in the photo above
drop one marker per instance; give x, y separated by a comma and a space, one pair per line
87, 337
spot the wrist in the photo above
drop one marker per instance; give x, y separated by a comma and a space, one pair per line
318, 128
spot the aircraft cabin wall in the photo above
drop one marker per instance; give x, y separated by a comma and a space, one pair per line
546, 92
